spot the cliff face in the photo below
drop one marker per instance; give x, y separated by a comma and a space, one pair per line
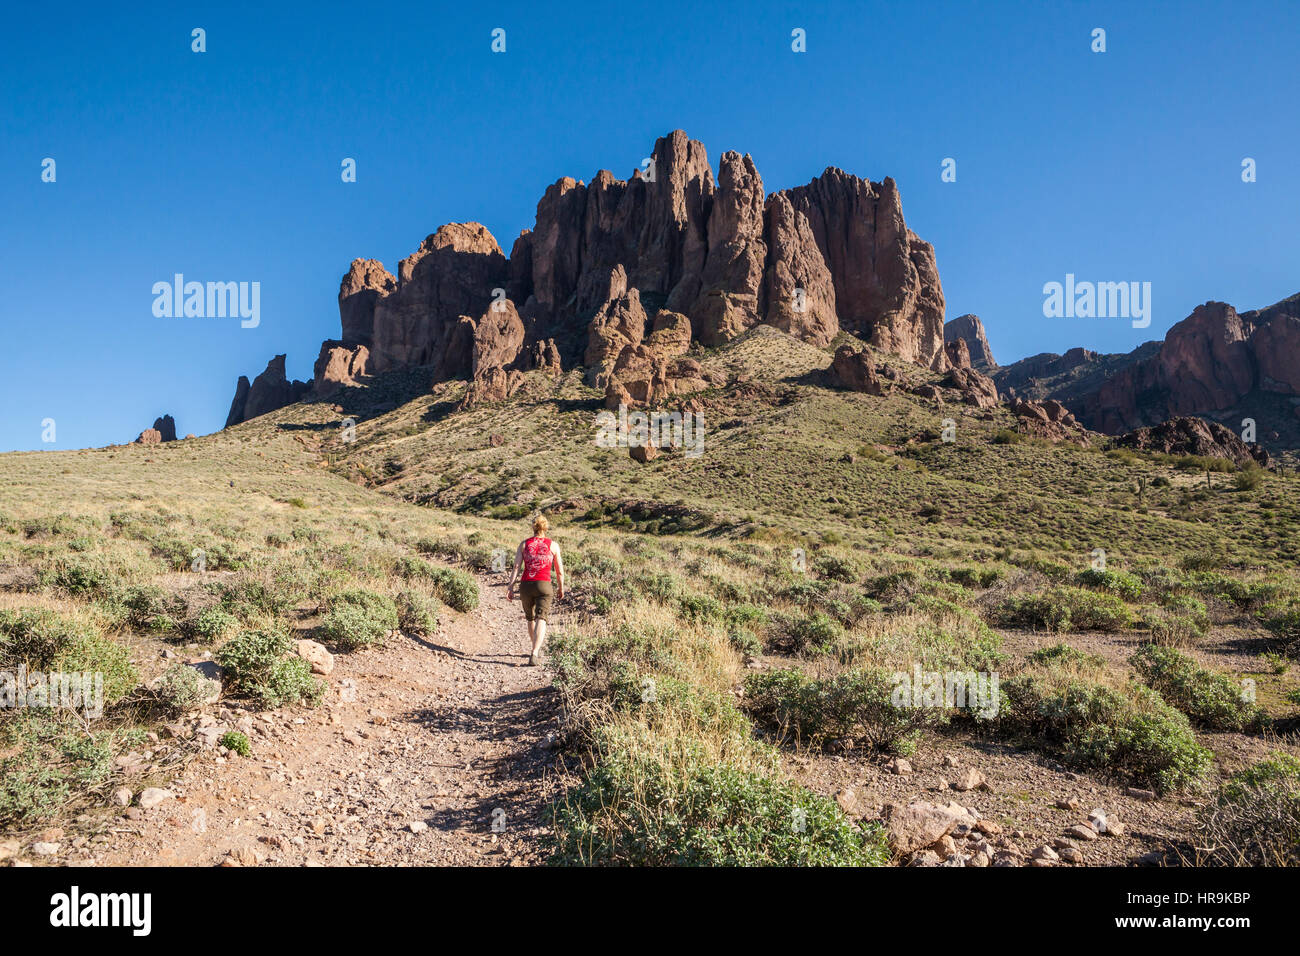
969, 329
669, 248
1209, 362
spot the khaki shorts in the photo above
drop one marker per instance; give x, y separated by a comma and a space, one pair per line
536, 599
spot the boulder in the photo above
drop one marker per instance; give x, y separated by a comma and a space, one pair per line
917, 825
855, 370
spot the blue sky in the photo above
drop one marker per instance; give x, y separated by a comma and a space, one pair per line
224, 166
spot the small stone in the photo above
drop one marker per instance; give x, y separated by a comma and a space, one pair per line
988, 827
1137, 793
949, 760
979, 858
122, 796
969, 779
150, 797
945, 847
417, 826
899, 765
1044, 853
1067, 803
317, 655
45, 849
1081, 831
1072, 854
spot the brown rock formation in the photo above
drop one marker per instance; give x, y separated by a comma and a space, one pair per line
970, 330
799, 290
618, 323
856, 370
732, 280
164, 428
1050, 420
453, 273
886, 282
976, 388
1208, 362
338, 365
365, 283
150, 436
1194, 436
708, 261
269, 391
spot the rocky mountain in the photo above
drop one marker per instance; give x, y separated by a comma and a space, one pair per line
164, 429
621, 277
969, 329
1194, 436
1208, 363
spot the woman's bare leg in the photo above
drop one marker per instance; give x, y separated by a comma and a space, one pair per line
540, 635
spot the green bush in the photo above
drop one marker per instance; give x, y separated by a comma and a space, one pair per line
44, 640
1122, 583
261, 664
1064, 608
359, 618
816, 633
854, 705
182, 688
455, 588
417, 613
213, 625
630, 812
1135, 734
1213, 701
236, 742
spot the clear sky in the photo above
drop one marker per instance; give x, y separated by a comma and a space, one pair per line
225, 165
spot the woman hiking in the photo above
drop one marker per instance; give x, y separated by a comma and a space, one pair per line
534, 557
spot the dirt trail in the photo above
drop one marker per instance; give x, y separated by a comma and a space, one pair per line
423, 752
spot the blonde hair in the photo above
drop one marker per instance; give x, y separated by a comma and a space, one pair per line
540, 525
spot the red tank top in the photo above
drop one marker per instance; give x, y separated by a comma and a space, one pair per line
537, 559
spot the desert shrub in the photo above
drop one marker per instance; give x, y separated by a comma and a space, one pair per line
212, 625
182, 688
455, 588
1122, 583
1254, 819
1132, 732
808, 634
417, 613
83, 576
835, 568
891, 587
1065, 655
853, 705
1065, 608
236, 742
1170, 629
745, 641
249, 595
631, 810
44, 640
976, 577
358, 618
700, 607
1249, 478
260, 663
49, 760
1212, 700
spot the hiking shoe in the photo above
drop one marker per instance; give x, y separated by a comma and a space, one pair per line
533, 660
